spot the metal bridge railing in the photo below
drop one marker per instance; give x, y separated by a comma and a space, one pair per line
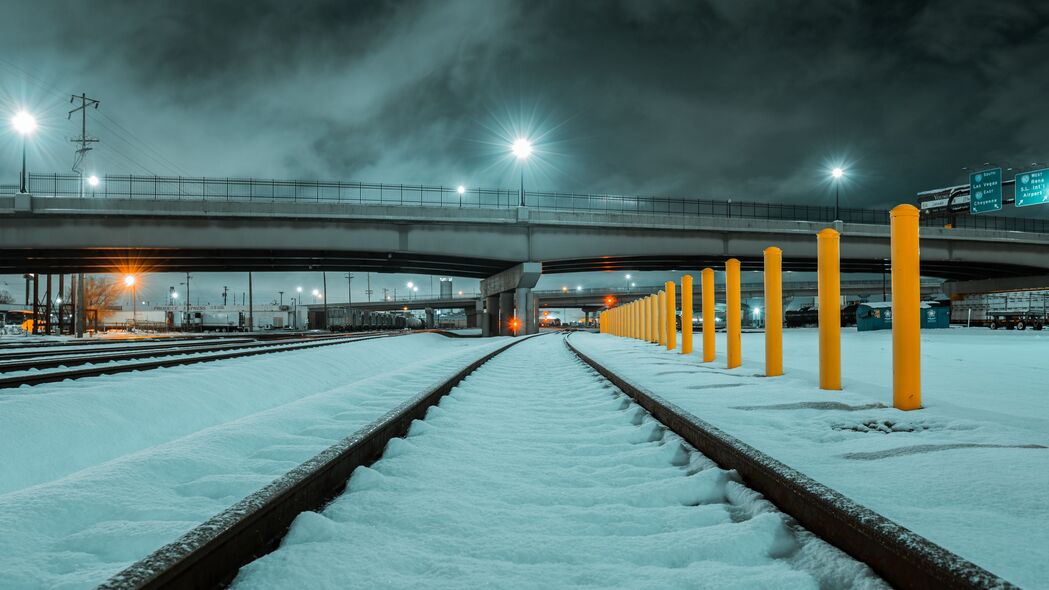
252, 190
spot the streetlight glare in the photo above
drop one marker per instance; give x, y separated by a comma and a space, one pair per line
522, 148
461, 189
24, 123
174, 295
129, 280
410, 284
628, 277
299, 289
837, 173
316, 292
92, 180
579, 288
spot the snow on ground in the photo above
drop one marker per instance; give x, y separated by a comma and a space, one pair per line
536, 473
969, 471
273, 346
97, 473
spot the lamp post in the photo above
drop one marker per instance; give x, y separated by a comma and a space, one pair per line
836, 174
129, 281
411, 289
522, 148
628, 282
25, 125
461, 190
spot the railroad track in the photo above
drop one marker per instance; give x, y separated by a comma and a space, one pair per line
212, 554
208, 353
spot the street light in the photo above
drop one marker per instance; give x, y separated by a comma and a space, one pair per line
522, 148
24, 124
627, 278
579, 288
837, 173
315, 294
129, 281
92, 180
461, 190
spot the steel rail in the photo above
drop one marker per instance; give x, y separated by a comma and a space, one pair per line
900, 556
211, 554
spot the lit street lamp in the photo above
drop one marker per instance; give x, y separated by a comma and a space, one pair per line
461, 190
316, 293
24, 124
628, 281
522, 148
129, 281
836, 174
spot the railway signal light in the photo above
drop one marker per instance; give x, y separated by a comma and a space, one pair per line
610, 301
515, 325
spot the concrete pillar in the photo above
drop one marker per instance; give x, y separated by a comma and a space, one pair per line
506, 311
429, 318
523, 308
533, 315
490, 321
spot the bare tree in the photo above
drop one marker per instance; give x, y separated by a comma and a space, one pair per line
6, 297
101, 293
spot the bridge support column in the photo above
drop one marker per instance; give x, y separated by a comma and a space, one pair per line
524, 309
429, 318
490, 320
506, 311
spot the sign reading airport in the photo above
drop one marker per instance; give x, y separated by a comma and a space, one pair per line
985, 190
1032, 188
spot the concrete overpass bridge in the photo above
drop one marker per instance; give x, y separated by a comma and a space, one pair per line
164, 224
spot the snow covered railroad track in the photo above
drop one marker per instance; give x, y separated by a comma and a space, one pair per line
901, 557
533, 472
211, 554
34, 372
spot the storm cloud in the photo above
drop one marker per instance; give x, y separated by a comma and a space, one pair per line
716, 99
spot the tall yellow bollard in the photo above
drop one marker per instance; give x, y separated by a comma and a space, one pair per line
653, 319
709, 315
686, 314
648, 319
829, 287
661, 310
906, 309
733, 321
671, 287
773, 311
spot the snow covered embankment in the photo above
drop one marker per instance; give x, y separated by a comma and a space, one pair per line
966, 472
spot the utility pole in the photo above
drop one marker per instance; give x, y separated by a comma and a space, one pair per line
80, 311
251, 306
324, 278
225, 290
349, 289
368, 291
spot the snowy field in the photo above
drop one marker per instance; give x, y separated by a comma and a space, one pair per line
536, 473
97, 473
970, 471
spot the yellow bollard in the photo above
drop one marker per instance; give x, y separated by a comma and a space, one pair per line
773, 311
686, 314
709, 315
671, 287
661, 310
635, 320
733, 321
647, 318
653, 318
906, 309
829, 288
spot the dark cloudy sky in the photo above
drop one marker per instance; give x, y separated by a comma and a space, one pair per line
726, 98
717, 99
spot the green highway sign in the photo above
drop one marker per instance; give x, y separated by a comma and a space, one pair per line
1032, 188
985, 191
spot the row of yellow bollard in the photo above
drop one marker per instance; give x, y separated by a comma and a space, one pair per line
654, 318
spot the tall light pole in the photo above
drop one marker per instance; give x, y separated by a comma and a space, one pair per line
297, 303
628, 282
461, 190
836, 174
129, 281
522, 148
25, 125
410, 286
